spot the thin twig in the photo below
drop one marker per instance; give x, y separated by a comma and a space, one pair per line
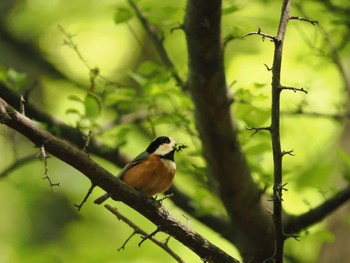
138, 230
44, 156
294, 89
313, 22
158, 44
22, 106
257, 129
87, 141
86, 197
93, 71
263, 35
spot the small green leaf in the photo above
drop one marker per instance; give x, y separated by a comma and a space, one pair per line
73, 111
75, 98
122, 15
92, 106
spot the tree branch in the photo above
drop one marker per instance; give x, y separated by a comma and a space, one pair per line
226, 164
275, 133
63, 130
296, 223
138, 230
158, 44
75, 137
119, 191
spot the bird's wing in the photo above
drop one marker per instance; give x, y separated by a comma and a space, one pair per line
131, 164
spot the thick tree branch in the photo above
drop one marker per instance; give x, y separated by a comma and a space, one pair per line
297, 223
225, 161
102, 178
75, 137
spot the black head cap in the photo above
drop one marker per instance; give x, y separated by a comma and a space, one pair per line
157, 142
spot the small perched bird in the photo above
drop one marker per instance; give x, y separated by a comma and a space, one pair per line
152, 171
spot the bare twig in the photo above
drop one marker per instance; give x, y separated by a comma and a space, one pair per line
290, 152
257, 129
21, 105
138, 230
93, 71
87, 141
294, 89
313, 22
263, 35
158, 44
43, 154
86, 197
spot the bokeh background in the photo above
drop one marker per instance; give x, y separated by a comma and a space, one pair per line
51, 51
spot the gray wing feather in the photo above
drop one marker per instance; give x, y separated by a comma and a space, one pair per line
120, 175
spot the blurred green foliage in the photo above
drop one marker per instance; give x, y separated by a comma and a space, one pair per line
39, 224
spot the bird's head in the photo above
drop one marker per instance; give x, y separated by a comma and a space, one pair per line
162, 146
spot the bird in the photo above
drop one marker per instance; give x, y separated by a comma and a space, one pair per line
150, 172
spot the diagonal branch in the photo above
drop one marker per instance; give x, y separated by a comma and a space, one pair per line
75, 137
157, 43
138, 230
297, 223
120, 192
58, 128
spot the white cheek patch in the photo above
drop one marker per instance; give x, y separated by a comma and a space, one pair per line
169, 164
164, 149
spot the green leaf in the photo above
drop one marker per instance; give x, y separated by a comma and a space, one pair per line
122, 15
92, 106
73, 111
75, 98
16, 79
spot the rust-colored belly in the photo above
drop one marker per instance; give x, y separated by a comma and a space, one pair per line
151, 176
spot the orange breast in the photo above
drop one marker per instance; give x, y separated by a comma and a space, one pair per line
152, 176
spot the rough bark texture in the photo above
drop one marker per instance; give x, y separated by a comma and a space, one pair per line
225, 160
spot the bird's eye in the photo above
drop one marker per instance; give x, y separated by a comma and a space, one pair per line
163, 140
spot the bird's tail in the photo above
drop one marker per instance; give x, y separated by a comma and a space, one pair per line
102, 198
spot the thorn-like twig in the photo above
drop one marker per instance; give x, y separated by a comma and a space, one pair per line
313, 22
263, 35
43, 154
149, 236
188, 220
122, 247
267, 67
290, 152
294, 89
85, 198
160, 201
94, 71
295, 236
87, 141
138, 230
21, 105
256, 130
179, 27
